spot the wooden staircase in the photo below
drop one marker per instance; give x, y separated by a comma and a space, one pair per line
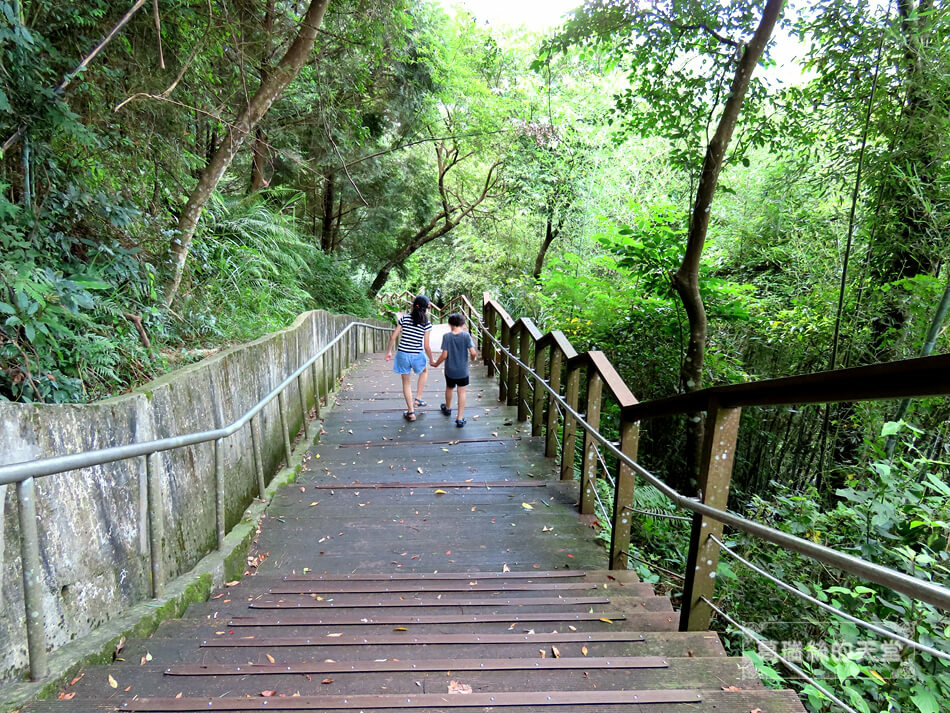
423, 567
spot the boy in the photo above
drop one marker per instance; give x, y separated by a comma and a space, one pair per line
457, 349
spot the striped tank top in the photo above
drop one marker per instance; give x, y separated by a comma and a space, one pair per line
412, 335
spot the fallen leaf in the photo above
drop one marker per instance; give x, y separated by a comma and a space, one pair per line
178, 695
270, 658
504, 568
731, 688
400, 628
526, 506
606, 620
333, 636
439, 492
544, 654
584, 650
218, 596
77, 679
554, 650
266, 694
419, 470
326, 681
315, 502
232, 584
460, 688
112, 682
67, 696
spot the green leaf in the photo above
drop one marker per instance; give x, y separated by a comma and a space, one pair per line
924, 700
891, 428
938, 484
7, 308
93, 284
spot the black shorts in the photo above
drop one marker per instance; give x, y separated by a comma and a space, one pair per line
451, 383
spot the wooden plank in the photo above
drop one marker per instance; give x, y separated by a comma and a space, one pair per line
470, 639
344, 620
438, 576
351, 602
471, 586
359, 702
413, 665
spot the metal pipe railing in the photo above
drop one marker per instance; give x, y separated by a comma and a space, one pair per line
23, 475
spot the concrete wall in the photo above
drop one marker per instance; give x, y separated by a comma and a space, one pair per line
93, 522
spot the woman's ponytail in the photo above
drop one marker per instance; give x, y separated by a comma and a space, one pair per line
419, 306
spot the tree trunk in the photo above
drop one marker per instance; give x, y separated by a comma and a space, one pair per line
259, 163
915, 246
550, 233
686, 278
288, 68
326, 226
336, 238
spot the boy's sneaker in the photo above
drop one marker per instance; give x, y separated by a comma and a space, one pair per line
445, 411
460, 422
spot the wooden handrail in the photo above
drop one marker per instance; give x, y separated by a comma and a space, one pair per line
909, 378
528, 324
557, 338
598, 362
502, 313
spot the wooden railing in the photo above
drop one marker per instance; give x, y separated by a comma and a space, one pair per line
551, 359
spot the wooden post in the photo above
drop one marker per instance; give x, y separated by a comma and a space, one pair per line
524, 387
589, 464
514, 371
503, 365
537, 404
570, 426
623, 496
554, 377
488, 347
719, 450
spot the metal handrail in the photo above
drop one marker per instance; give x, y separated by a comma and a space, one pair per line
18, 472
23, 474
827, 607
913, 587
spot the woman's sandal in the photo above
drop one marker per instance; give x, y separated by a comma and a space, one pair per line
419, 402
409, 415
459, 422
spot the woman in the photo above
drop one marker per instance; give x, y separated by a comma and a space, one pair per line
413, 333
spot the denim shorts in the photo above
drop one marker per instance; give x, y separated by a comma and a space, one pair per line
406, 362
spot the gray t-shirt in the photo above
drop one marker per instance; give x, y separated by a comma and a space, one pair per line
457, 345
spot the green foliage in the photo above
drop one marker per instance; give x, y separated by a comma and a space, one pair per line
249, 253
895, 513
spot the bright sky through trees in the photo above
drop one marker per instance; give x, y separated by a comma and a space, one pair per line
534, 14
